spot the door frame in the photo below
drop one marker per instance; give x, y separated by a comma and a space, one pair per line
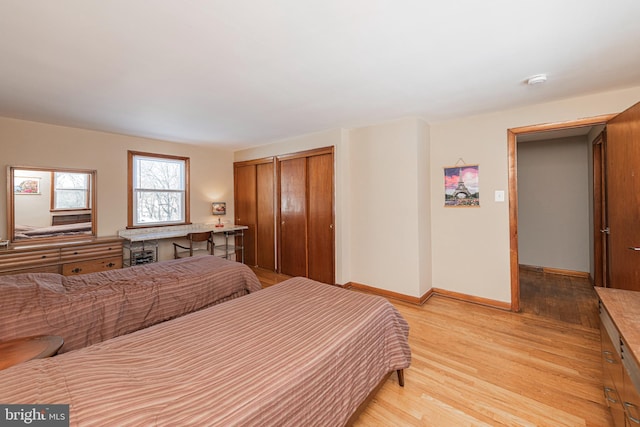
512, 153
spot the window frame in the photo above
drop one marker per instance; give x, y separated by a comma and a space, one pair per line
131, 191
88, 192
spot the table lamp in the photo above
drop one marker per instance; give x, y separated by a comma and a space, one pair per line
219, 208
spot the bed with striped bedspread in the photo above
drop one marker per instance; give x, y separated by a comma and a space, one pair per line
299, 353
89, 308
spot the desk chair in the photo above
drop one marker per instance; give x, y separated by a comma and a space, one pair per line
194, 239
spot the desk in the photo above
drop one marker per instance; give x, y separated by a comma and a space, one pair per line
20, 350
142, 243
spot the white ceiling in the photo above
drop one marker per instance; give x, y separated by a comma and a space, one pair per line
239, 73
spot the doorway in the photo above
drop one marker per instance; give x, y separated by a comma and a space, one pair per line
512, 140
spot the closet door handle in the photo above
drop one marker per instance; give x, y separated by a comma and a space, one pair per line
635, 248
605, 230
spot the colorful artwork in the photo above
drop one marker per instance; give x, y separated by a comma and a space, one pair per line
24, 185
461, 187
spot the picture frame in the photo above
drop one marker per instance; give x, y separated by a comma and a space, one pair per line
23, 185
461, 186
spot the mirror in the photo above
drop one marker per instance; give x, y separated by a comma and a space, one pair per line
49, 204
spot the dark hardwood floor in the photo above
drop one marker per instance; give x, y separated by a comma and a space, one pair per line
559, 297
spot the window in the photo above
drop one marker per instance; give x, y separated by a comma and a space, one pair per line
158, 189
71, 191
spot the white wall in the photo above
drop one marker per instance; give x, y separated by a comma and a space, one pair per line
553, 203
471, 246
27, 143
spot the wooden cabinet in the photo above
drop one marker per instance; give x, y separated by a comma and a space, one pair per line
612, 369
266, 216
254, 194
630, 387
621, 371
293, 216
320, 218
67, 258
306, 215
291, 197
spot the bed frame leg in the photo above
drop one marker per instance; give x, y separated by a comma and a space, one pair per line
400, 377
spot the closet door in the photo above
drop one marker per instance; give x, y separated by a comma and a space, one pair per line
320, 218
246, 208
265, 205
600, 267
623, 199
293, 216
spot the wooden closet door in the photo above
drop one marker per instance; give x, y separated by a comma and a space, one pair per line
320, 218
293, 217
623, 199
265, 230
245, 208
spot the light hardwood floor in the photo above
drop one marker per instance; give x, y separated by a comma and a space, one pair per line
478, 366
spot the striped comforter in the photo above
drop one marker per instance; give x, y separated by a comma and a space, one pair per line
91, 308
300, 353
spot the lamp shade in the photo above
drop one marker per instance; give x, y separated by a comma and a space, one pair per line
218, 208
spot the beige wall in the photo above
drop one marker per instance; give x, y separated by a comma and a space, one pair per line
390, 216
382, 197
471, 246
553, 203
460, 250
27, 143
398, 162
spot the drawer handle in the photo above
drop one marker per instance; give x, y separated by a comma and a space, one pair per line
76, 270
44, 256
627, 407
75, 253
608, 390
111, 264
605, 355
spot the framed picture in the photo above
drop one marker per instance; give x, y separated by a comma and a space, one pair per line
219, 208
26, 185
461, 187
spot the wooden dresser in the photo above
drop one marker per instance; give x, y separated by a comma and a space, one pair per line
68, 258
620, 334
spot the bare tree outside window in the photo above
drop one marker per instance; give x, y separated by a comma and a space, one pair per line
159, 189
70, 191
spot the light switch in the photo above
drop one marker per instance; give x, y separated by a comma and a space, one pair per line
499, 196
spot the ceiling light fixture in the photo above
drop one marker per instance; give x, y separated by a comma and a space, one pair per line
537, 79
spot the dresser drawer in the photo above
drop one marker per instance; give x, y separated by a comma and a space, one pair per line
92, 266
82, 252
44, 269
20, 260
